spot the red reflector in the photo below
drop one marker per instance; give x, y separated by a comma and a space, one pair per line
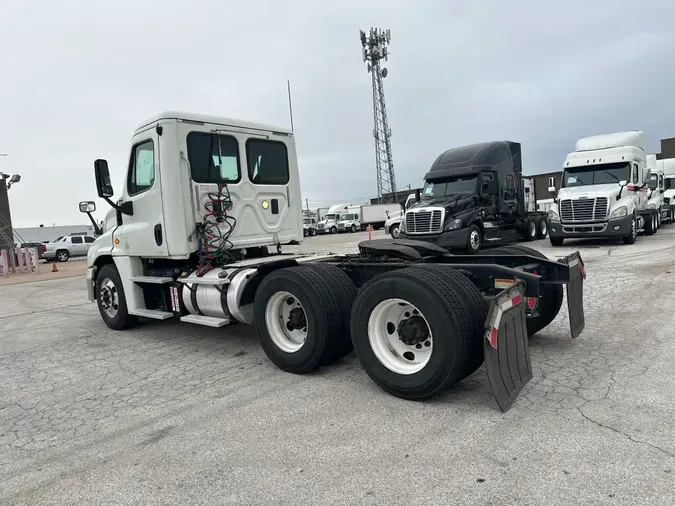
632, 188
516, 300
493, 337
535, 272
531, 302
583, 271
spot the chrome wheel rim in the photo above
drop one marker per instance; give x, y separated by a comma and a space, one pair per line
396, 231
109, 298
474, 239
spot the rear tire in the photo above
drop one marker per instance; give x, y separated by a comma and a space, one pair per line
531, 230
62, 255
111, 300
542, 229
551, 298
345, 291
429, 305
475, 305
282, 337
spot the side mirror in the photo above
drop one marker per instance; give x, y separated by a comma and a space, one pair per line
623, 183
87, 206
103, 184
417, 195
646, 174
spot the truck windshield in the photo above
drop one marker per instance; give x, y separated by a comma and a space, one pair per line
307, 221
669, 182
606, 173
653, 181
437, 188
330, 216
349, 217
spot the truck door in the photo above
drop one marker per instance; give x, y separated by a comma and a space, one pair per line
143, 233
510, 198
268, 167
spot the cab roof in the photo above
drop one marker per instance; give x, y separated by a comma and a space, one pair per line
214, 120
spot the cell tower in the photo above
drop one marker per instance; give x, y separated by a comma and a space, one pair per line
375, 49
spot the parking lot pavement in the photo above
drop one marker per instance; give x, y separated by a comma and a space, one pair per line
169, 413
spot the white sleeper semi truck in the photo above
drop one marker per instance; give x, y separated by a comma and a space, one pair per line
604, 191
207, 206
668, 168
655, 188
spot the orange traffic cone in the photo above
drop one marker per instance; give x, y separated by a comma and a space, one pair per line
370, 237
54, 269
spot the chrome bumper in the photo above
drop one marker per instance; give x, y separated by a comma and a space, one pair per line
91, 275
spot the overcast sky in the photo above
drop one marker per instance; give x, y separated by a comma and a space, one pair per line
77, 78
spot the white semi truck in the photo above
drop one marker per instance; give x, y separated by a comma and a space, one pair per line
329, 221
604, 190
668, 168
206, 198
655, 188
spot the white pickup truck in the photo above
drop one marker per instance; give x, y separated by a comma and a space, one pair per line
68, 246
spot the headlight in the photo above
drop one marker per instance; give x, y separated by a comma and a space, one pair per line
453, 225
619, 212
553, 216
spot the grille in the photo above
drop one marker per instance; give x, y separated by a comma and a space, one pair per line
341, 226
320, 225
584, 210
424, 222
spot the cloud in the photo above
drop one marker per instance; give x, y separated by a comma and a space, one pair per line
77, 78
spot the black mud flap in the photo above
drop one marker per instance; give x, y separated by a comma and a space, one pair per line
507, 355
575, 293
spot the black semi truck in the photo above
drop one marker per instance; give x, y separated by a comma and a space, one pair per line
474, 196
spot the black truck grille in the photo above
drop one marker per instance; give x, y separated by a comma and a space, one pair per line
584, 210
424, 222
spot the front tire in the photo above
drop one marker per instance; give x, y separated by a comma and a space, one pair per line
632, 236
333, 230
298, 318
352, 229
410, 329
395, 231
474, 240
542, 229
112, 303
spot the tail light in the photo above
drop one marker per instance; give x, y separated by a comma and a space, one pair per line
531, 303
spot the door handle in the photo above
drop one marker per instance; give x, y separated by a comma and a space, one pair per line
158, 235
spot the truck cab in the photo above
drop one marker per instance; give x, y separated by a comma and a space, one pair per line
329, 222
668, 168
349, 222
309, 226
472, 195
392, 225
655, 188
604, 190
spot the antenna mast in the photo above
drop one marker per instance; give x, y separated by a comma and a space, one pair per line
375, 48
